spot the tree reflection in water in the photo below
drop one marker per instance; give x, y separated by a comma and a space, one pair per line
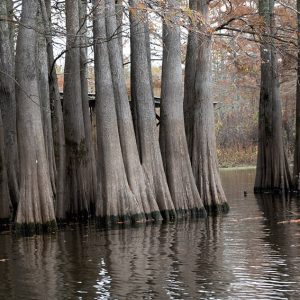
247, 253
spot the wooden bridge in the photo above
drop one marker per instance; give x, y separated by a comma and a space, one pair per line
92, 103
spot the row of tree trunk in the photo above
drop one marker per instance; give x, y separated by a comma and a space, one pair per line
49, 170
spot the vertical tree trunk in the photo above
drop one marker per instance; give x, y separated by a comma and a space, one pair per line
189, 78
115, 200
8, 105
12, 28
173, 143
5, 204
57, 118
90, 156
135, 174
36, 207
119, 16
43, 79
76, 149
297, 142
272, 172
146, 131
201, 124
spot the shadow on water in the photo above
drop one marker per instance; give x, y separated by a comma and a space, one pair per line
247, 254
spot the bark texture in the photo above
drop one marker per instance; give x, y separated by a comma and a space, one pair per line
36, 204
77, 192
119, 16
57, 118
115, 200
145, 127
272, 172
200, 124
137, 179
5, 204
173, 143
43, 80
8, 103
189, 77
297, 142
90, 156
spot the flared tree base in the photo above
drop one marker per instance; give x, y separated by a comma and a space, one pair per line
28, 229
154, 216
217, 209
4, 224
168, 215
193, 213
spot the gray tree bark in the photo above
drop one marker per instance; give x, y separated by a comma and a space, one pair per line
137, 179
141, 95
272, 172
296, 170
200, 122
5, 204
119, 16
36, 204
76, 149
189, 77
43, 79
172, 137
57, 118
8, 105
11, 25
115, 200
91, 161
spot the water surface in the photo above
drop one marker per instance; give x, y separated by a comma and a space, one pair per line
247, 254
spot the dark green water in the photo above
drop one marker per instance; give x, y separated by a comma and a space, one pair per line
244, 255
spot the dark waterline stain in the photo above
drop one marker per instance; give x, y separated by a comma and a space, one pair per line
248, 254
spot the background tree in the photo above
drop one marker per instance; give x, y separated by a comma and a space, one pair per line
77, 185
90, 156
5, 209
43, 80
297, 140
8, 103
272, 173
57, 117
189, 76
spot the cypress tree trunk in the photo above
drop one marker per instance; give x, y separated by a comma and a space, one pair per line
137, 180
146, 131
11, 26
43, 79
119, 16
297, 142
201, 125
272, 172
173, 143
189, 78
36, 207
57, 118
76, 148
91, 161
5, 204
8, 104
115, 200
